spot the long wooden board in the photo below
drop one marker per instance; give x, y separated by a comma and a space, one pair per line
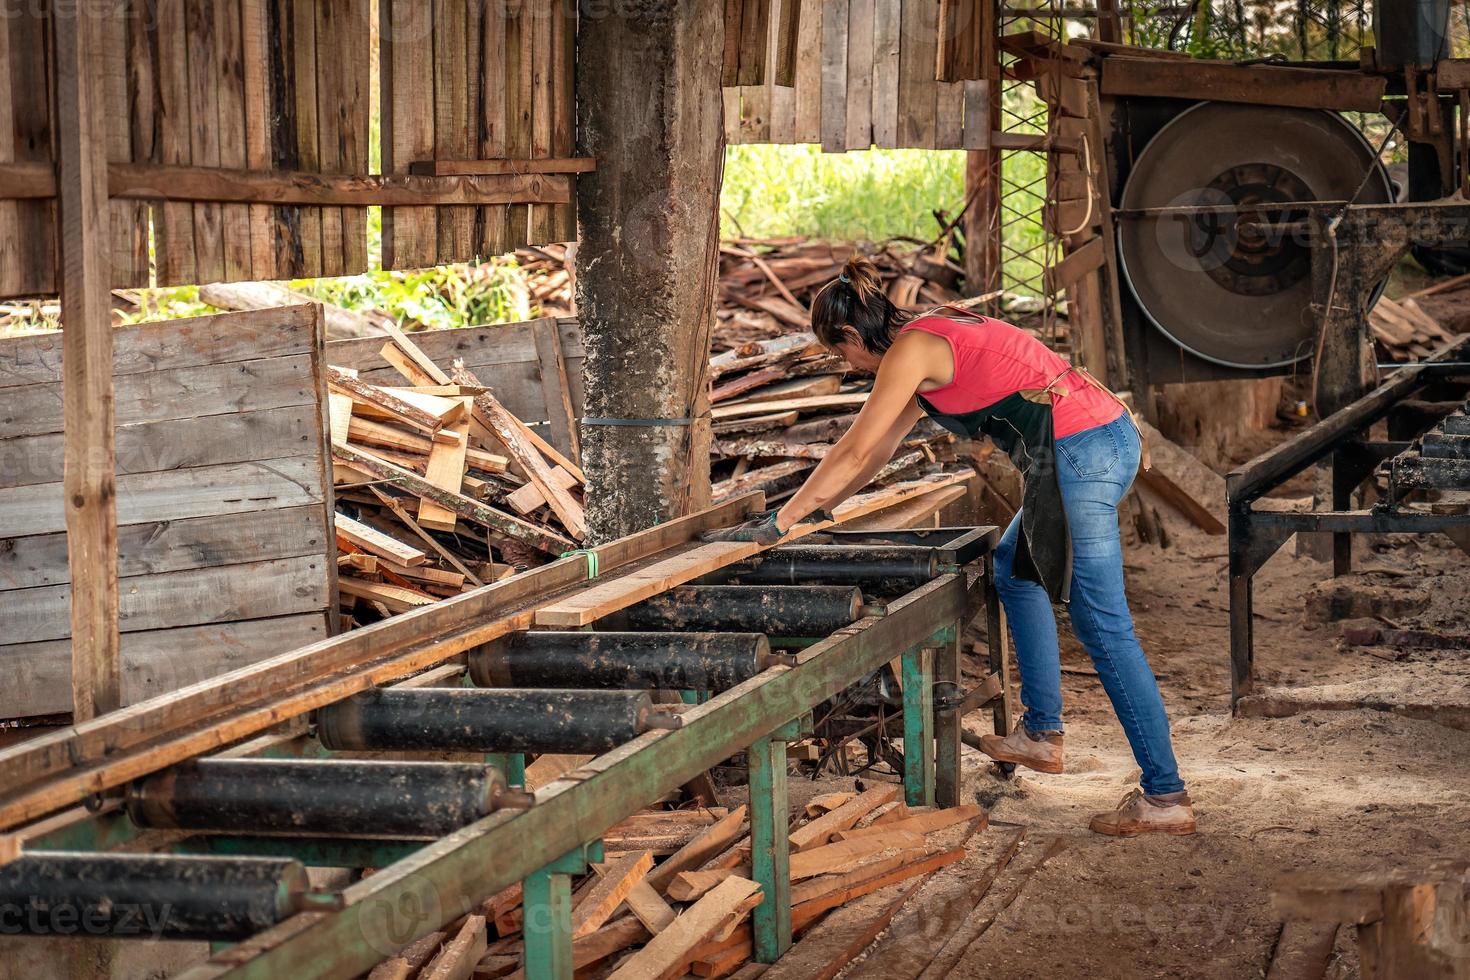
60, 769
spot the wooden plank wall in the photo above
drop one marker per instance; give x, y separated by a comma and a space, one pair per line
466, 81
223, 501
866, 75
535, 367
239, 84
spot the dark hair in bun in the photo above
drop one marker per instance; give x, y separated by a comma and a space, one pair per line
856, 299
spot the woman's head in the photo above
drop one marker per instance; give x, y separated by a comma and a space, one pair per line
852, 316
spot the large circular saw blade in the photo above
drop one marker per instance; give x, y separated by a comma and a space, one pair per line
1217, 285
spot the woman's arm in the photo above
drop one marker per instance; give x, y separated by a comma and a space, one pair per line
889, 413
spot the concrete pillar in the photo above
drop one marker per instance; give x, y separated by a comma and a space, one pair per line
649, 109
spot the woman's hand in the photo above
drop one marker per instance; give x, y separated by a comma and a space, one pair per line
763, 529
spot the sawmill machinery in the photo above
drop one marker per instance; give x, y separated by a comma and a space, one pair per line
406, 744
1228, 181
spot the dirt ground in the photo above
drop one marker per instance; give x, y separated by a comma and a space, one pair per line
1351, 790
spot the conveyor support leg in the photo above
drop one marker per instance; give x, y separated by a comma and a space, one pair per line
770, 846
918, 725
546, 902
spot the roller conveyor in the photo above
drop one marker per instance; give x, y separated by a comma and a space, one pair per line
470, 720
317, 796
254, 819
667, 661
149, 896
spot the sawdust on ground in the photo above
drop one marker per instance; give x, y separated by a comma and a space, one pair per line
1354, 790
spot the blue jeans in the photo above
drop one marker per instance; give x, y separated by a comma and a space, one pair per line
1095, 468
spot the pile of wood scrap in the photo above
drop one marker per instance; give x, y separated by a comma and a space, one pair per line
766, 286
674, 894
778, 406
1404, 331
439, 487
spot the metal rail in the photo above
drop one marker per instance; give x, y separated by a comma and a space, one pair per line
1342, 440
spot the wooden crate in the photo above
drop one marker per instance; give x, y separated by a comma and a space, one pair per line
224, 497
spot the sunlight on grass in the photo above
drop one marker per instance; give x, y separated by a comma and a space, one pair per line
773, 191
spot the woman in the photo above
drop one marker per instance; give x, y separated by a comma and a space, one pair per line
1078, 449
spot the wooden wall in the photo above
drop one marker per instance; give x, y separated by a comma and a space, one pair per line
866, 75
223, 503
475, 81
281, 88
535, 367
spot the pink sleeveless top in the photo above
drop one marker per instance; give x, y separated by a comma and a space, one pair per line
993, 360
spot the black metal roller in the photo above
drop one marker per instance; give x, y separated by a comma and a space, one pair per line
330, 796
473, 720
660, 661
148, 896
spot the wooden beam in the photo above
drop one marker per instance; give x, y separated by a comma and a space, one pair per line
1307, 88
90, 471
551, 165
155, 182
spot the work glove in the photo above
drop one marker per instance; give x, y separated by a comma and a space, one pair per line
761, 529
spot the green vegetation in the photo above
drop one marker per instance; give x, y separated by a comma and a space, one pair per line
445, 296
774, 191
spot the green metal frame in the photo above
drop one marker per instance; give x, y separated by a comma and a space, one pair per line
451, 876
546, 904
770, 844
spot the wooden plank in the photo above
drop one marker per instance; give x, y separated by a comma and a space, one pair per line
39, 674
354, 35
306, 121
292, 186
452, 131
709, 842
402, 406
329, 97
217, 594
229, 71
255, 60
376, 542
111, 750
515, 82
232, 488
615, 882
407, 80
456, 961
1307, 88
625, 590
128, 221
1077, 263
916, 85
191, 342
886, 51
174, 233
860, 66
91, 509
542, 13
394, 598
446, 469
921, 823
12, 276
784, 40
471, 510
808, 119
668, 953
512, 435
151, 447
171, 545
949, 115
204, 135
834, 76
817, 832
742, 409
564, 108
554, 381
178, 393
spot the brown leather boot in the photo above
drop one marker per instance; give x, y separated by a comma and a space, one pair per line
1140, 814
1041, 751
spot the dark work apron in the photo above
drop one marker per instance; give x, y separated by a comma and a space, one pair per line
1023, 430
